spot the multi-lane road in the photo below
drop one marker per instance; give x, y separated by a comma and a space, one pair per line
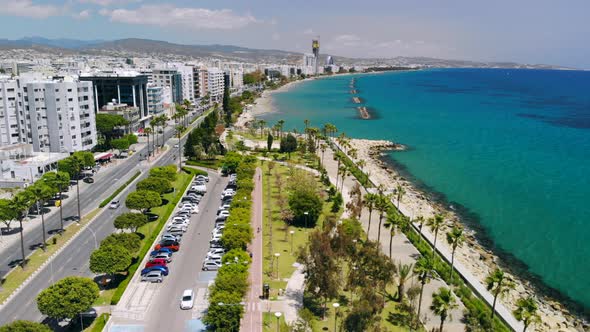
74, 259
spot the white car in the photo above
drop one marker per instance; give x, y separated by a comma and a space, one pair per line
193, 208
176, 228
216, 237
214, 251
199, 189
114, 204
202, 178
181, 220
223, 207
223, 213
187, 300
211, 265
214, 257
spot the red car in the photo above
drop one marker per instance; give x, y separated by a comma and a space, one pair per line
172, 245
155, 262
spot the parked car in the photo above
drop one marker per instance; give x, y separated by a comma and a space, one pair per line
193, 208
200, 189
202, 177
211, 265
216, 251
166, 250
215, 245
114, 204
170, 237
147, 270
174, 245
220, 219
216, 238
200, 183
223, 213
223, 207
213, 257
153, 276
88, 179
156, 262
177, 225
187, 299
163, 255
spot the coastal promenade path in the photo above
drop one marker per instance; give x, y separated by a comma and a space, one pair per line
252, 321
402, 251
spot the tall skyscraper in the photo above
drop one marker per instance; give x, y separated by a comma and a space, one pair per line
315, 47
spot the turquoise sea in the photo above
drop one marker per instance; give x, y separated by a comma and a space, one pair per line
509, 148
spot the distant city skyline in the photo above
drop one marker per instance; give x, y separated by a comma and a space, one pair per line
525, 31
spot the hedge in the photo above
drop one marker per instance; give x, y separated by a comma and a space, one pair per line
119, 190
148, 244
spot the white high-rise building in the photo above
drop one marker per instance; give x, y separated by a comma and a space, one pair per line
237, 79
52, 115
201, 80
188, 82
216, 84
155, 99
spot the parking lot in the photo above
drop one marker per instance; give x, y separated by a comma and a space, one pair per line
155, 306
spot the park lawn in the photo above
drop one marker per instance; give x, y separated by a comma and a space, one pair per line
281, 238
98, 324
269, 322
15, 278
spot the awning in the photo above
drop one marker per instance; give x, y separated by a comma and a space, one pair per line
103, 156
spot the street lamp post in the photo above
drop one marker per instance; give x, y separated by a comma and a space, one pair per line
335, 305
277, 255
278, 316
306, 214
292, 232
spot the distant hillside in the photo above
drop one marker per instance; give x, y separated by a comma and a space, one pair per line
145, 47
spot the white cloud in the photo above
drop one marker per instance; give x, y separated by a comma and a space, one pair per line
309, 32
106, 3
82, 15
26, 8
347, 40
186, 18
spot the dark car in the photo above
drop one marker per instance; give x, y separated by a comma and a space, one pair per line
156, 262
172, 245
155, 252
147, 270
88, 180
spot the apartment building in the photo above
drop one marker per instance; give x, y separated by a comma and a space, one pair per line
51, 115
216, 84
171, 79
155, 99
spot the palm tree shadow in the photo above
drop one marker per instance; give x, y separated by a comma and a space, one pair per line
12, 231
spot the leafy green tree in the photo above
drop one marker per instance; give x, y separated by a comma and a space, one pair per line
157, 184
306, 206
526, 312
110, 259
455, 238
142, 200
58, 180
499, 284
167, 172
68, 297
226, 106
85, 158
231, 161
443, 301
236, 237
106, 125
7, 213
337, 202
120, 144
224, 311
130, 221
41, 193
236, 255
132, 138
269, 140
288, 144
24, 326
130, 241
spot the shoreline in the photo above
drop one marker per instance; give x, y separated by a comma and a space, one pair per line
475, 256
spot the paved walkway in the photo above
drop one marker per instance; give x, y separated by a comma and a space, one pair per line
402, 251
252, 320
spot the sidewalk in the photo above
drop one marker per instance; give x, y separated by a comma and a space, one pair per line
402, 251
252, 321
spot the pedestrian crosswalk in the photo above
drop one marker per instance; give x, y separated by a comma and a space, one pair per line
254, 306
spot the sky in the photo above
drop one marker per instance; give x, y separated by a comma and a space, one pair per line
525, 31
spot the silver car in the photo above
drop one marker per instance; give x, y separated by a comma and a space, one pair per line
153, 276
211, 265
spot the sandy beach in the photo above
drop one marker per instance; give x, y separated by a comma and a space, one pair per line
415, 203
479, 260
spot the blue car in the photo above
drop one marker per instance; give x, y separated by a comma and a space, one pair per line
166, 250
164, 270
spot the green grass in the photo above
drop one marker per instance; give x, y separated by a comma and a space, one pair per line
212, 164
120, 189
151, 230
269, 323
98, 324
18, 275
281, 237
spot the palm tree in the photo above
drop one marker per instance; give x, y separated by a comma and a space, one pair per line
382, 206
58, 181
435, 224
179, 129
336, 157
163, 119
344, 172
391, 223
455, 239
280, 125
499, 284
261, 124
21, 203
404, 273
420, 221
526, 312
399, 192
148, 131
424, 270
442, 302
306, 122
41, 192
323, 148
369, 201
